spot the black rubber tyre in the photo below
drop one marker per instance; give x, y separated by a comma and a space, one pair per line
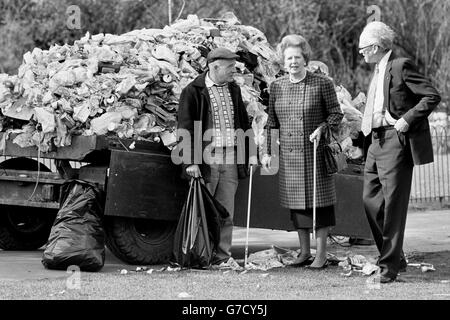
23, 228
140, 241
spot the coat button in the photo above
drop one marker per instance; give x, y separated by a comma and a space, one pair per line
290, 134
300, 118
290, 150
301, 134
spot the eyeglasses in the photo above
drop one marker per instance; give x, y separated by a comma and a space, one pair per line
364, 49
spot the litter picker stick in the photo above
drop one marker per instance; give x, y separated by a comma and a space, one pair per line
314, 188
248, 214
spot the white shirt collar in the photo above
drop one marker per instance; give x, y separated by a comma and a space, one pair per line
383, 62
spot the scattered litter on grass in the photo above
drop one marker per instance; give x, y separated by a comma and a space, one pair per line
150, 271
184, 295
58, 293
124, 271
176, 269
141, 269
427, 268
424, 267
231, 264
356, 263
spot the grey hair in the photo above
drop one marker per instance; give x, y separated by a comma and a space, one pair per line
380, 33
294, 40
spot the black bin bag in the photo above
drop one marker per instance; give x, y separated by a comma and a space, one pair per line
198, 231
77, 236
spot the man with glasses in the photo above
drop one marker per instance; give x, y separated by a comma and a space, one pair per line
399, 101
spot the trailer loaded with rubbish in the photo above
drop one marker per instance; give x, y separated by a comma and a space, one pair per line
104, 111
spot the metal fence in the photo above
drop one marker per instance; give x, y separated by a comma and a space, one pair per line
431, 182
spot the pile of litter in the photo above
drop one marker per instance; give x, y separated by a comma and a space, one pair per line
352, 108
350, 127
127, 85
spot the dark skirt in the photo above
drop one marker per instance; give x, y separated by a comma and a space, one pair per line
303, 219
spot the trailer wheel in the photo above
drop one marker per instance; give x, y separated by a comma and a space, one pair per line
140, 241
23, 228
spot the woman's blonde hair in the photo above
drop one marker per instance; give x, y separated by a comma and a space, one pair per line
296, 41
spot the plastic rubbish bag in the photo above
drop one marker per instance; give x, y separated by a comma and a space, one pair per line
198, 230
77, 236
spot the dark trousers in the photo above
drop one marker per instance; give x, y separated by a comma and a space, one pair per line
387, 187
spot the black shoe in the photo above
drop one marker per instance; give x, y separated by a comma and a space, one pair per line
385, 279
403, 266
304, 263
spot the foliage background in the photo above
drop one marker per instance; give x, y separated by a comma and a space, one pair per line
332, 27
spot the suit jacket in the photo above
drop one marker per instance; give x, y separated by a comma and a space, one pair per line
195, 105
410, 95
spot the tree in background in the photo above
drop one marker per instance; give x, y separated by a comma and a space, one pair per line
332, 28
423, 28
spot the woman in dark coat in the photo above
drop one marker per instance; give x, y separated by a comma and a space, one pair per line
301, 105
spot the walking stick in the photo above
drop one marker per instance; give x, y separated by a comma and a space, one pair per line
314, 188
248, 214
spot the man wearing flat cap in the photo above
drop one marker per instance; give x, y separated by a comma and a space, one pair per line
212, 105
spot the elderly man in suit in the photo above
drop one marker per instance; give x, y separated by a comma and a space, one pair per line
399, 102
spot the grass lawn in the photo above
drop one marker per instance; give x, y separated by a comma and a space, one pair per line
275, 284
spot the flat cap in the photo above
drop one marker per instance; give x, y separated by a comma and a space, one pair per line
221, 53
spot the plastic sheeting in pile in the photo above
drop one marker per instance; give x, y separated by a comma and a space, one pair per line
352, 108
126, 85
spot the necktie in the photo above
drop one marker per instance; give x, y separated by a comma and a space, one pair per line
366, 125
